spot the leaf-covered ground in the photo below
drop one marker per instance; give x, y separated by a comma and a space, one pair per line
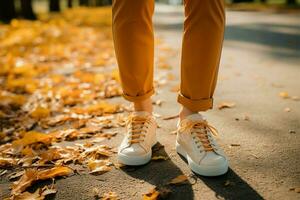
58, 83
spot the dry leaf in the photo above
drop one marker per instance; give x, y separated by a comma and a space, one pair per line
227, 183
226, 105
157, 193
153, 194
54, 172
29, 196
32, 175
159, 158
109, 196
284, 95
40, 112
170, 117
181, 179
25, 181
2, 172
39, 194
292, 131
31, 137
235, 145
99, 166
296, 189
15, 175
7, 162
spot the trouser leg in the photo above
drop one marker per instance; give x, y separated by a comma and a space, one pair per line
134, 46
201, 51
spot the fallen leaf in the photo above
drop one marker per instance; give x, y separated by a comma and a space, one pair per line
54, 172
284, 95
159, 158
99, 166
32, 175
235, 145
25, 181
255, 156
29, 138
2, 172
181, 179
153, 194
40, 112
39, 194
7, 162
16, 174
227, 183
157, 193
170, 117
226, 105
292, 131
109, 196
296, 189
295, 98
29, 196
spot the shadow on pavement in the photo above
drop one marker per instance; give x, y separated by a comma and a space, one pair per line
272, 35
159, 173
228, 186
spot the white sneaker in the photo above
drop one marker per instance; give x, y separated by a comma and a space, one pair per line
140, 137
195, 142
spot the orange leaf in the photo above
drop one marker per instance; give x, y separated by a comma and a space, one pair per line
181, 179
54, 172
25, 181
40, 112
31, 137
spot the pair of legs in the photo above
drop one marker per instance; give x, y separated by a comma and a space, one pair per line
201, 51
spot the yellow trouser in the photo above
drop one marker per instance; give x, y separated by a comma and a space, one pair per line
201, 49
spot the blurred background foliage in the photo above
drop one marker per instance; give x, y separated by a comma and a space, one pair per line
10, 9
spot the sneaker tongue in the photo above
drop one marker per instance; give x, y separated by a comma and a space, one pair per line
195, 117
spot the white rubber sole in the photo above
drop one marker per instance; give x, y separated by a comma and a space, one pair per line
135, 160
200, 169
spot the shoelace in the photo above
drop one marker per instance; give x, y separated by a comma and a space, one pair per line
137, 131
200, 129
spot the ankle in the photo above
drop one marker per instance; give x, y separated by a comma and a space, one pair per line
145, 105
184, 112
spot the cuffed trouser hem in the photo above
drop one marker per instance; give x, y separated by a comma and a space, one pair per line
138, 98
195, 105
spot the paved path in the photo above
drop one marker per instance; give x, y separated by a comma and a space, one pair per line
261, 58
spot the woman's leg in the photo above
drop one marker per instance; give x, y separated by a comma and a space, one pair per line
202, 45
201, 51
134, 47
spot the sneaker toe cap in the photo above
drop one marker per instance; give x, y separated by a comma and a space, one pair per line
213, 159
133, 151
